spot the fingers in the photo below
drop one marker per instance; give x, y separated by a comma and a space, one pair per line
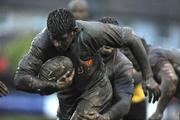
154, 94
81, 117
3, 89
153, 90
88, 116
67, 76
63, 77
158, 93
3, 92
2, 85
92, 113
70, 77
71, 74
150, 95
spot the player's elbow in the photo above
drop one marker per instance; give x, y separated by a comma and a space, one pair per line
18, 82
127, 105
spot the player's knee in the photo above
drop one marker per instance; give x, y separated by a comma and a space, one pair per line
172, 79
171, 89
174, 85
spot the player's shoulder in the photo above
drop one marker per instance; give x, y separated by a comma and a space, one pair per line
156, 50
122, 57
159, 49
41, 39
127, 31
91, 28
159, 52
89, 25
127, 28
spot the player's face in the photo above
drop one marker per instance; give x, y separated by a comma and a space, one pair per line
62, 42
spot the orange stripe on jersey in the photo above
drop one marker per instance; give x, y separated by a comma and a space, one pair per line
89, 63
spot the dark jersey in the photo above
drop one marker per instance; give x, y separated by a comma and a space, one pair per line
127, 52
158, 55
115, 69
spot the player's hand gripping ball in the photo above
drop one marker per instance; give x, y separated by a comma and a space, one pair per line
58, 69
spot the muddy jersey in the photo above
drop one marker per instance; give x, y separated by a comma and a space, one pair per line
116, 66
158, 56
127, 52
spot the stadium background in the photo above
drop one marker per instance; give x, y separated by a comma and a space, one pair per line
158, 21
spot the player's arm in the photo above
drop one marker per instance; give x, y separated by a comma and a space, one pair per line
121, 108
26, 74
115, 36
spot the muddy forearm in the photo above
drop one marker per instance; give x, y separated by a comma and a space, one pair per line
121, 108
31, 84
140, 55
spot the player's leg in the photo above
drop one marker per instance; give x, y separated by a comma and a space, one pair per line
168, 86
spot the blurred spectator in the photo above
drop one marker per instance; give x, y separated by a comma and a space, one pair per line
80, 9
5, 72
3, 63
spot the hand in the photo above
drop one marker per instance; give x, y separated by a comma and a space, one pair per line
3, 90
65, 80
93, 116
153, 89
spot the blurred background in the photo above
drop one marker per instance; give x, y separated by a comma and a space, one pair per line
158, 21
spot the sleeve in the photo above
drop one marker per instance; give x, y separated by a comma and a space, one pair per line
117, 37
123, 82
26, 74
123, 88
121, 107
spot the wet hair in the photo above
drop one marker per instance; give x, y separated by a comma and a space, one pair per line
60, 21
109, 20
